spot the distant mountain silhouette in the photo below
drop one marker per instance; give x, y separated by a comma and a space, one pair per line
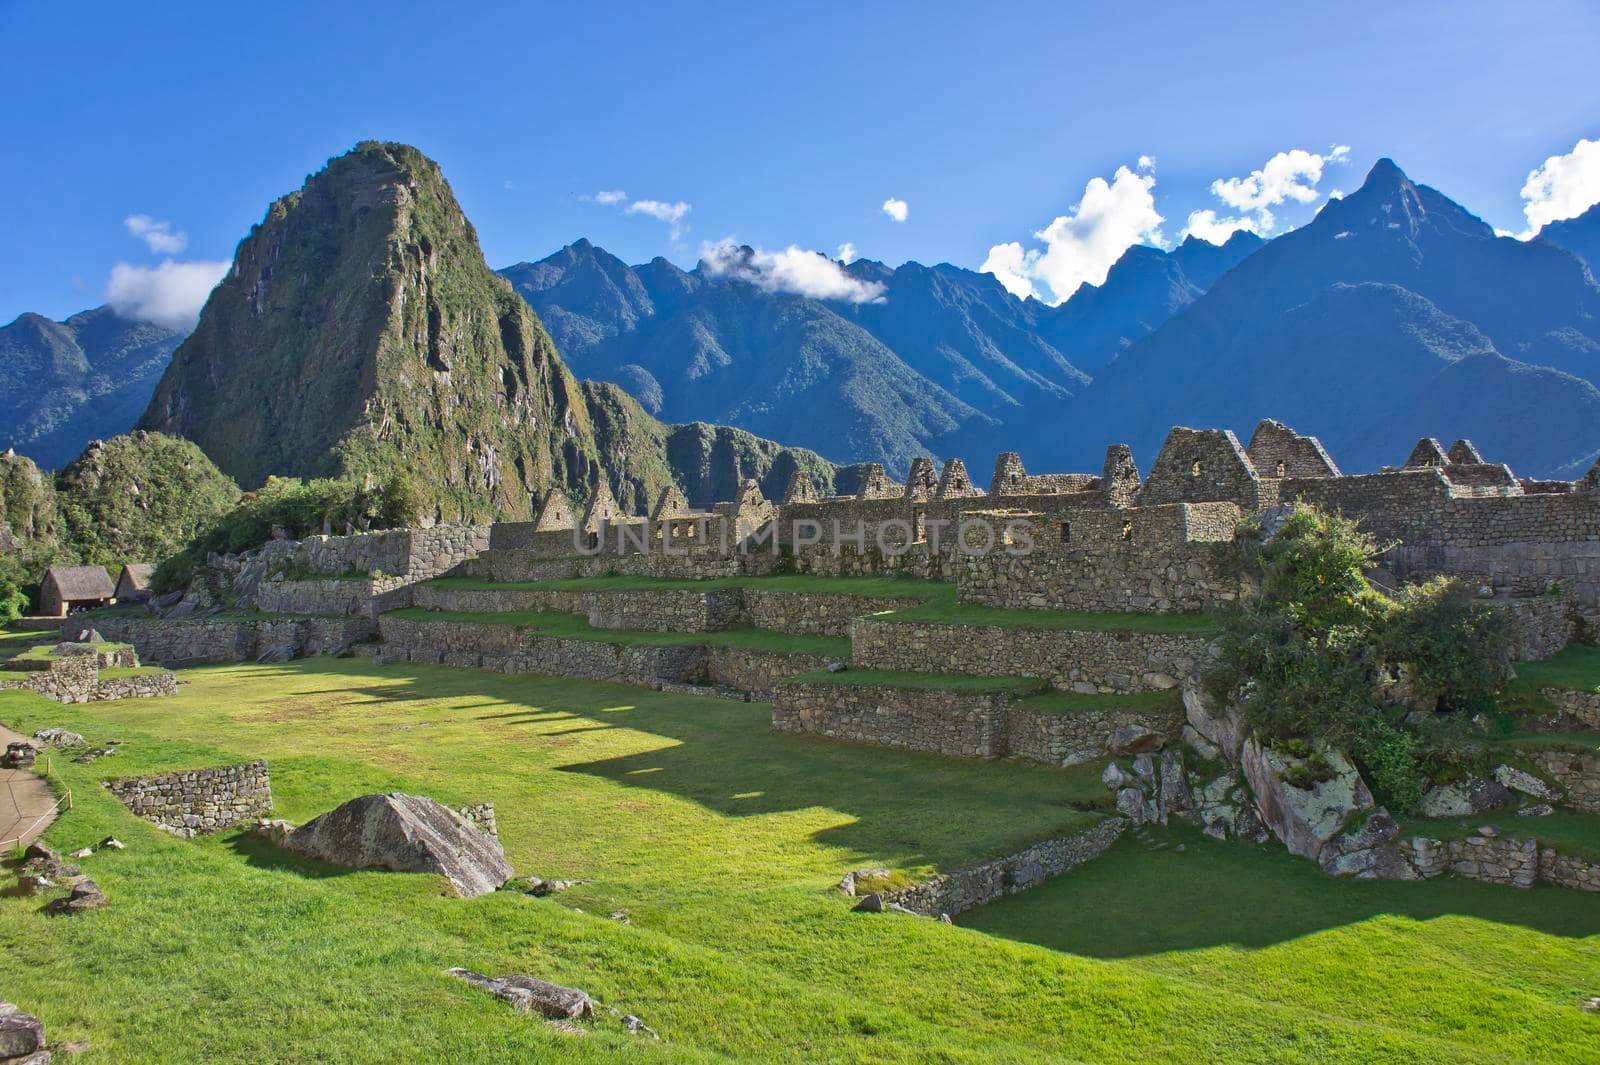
1394, 313
63, 384
1580, 236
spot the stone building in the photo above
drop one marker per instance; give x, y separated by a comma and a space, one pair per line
67, 588
133, 584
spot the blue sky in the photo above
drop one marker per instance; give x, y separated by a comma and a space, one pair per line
777, 125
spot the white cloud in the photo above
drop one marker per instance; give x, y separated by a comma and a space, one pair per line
805, 273
170, 294
847, 253
1290, 176
1207, 226
1081, 246
896, 209
1147, 162
157, 235
670, 213
1564, 186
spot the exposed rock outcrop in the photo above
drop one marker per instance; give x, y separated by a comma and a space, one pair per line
405, 834
1304, 818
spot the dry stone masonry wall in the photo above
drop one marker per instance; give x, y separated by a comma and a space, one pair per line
198, 801
199, 642
1082, 661
965, 889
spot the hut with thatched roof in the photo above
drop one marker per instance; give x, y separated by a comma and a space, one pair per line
67, 587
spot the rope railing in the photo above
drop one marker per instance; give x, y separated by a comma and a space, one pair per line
64, 802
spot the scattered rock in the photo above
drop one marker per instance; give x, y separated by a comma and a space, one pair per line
35, 883
528, 995
408, 834
1175, 795
21, 1034
836, 666
1517, 780
1130, 803
539, 887
1135, 739
872, 903
1223, 726
1538, 809
85, 895
1115, 778
82, 852
1201, 746
20, 755
620, 916
1465, 799
1590, 1005
847, 885
1488, 831
56, 736
638, 1027
111, 843
95, 753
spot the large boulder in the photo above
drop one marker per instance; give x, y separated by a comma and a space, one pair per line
1305, 819
405, 834
527, 994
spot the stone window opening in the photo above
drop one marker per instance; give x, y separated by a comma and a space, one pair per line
919, 524
1127, 528
1194, 471
1066, 532
1278, 471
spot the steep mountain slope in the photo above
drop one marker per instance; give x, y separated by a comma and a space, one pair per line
1142, 290
63, 384
360, 333
1350, 323
715, 349
1580, 236
963, 331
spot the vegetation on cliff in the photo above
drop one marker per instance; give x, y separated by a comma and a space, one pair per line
360, 334
1405, 685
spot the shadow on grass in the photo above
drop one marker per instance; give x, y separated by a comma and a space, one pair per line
1135, 900
260, 853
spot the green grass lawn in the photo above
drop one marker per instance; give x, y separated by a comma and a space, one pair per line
874, 587
1067, 702
1570, 833
571, 626
723, 842
943, 608
944, 682
1575, 666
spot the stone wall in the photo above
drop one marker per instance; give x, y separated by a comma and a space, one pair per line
1541, 625
1082, 661
198, 801
1523, 543
513, 565
965, 889
1566, 871
414, 553
191, 642
809, 614
481, 816
1576, 774
758, 672
649, 610
961, 724
324, 597
1163, 559
507, 649
1072, 737
1498, 860
1585, 706
137, 686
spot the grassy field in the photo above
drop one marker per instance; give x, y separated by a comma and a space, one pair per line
722, 841
572, 626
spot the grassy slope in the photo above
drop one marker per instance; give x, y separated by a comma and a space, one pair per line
571, 626
940, 603
722, 841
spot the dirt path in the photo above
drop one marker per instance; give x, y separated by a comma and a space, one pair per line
27, 806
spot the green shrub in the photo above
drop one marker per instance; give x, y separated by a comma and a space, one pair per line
1306, 652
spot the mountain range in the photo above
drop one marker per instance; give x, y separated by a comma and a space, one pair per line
64, 383
360, 332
